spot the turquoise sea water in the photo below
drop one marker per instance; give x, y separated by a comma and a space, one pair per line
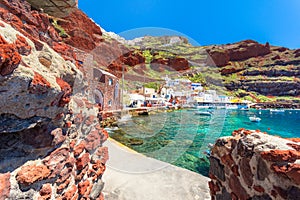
181, 137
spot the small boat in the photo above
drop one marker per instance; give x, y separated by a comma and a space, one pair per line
202, 107
276, 110
231, 107
254, 119
204, 113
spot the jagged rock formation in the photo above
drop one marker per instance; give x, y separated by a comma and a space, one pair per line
254, 165
59, 8
221, 55
252, 68
50, 136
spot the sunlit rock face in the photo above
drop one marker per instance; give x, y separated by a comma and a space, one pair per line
58, 8
254, 165
50, 136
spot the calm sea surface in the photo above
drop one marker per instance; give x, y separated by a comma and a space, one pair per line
181, 137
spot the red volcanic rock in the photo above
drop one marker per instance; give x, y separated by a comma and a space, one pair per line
247, 49
45, 191
133, 58
20, 8
63, 186
22, 46
218, 57
291, 170
66, 51
70, 193
294, 139
281, 155
9, 57
78, 149
231, 70
237, 52
84, 188
101, 197
258, 188
66, 89
57, 160
179, 64
227, 160
235, 170
32, 173
117, 67
82, 161
39, 85
237, 188
295, 146
97, 170
246, 171
105, 134
159, 64
81, 173
42, 20
277, 57
93, 140
214, 188
2, 40
64, 175
102, 154
297, 53
84, 33
4, 185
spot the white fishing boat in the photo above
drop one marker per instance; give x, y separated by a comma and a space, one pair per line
202, 107
255, 119
276, 110
231, 107
204, 113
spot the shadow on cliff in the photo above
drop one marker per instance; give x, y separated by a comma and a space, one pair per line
23, 140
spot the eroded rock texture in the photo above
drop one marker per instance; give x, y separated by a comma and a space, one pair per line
50, 136
254, 165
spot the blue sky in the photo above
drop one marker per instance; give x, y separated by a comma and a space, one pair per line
207, 22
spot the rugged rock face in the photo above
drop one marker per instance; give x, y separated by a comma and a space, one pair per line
268, 88
85, 34
240, 51
254, 165
50, 136
172, 64
57, 8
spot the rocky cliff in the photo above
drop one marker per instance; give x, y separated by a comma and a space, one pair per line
50, 136
254, 165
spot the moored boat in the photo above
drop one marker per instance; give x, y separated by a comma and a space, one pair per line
204, 113
255, 119
276, 110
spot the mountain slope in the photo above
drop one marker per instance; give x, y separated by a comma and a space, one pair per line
246, 69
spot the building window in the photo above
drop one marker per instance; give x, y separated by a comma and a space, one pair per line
109, 103
110, 81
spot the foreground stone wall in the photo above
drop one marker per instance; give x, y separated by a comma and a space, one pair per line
254, 165
50, 136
